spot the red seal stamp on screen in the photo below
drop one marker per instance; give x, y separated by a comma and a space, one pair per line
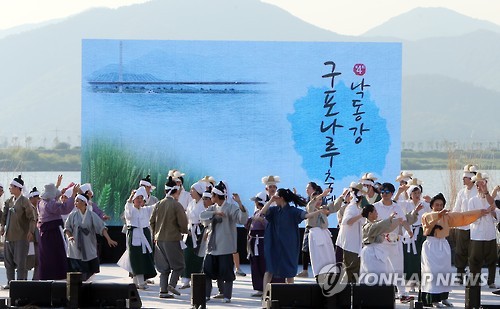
359, 69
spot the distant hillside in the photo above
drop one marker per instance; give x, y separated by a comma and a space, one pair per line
439, 108
424, 23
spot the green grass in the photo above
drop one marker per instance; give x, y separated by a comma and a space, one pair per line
115, 171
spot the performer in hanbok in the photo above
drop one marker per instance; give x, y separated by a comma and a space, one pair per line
393, 240
412, 246
373, 256
255, 244
320, 239
193, 263
18, 227
224, 216
139, 251
168, 222
81, 228
462, 233
33, 256
52, 245
282, 245
350, 237
483, 232
436, 252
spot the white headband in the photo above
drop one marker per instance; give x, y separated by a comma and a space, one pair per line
172, 188
217, 191
82, 198
144, 183
17, 184
206, 194
33, 194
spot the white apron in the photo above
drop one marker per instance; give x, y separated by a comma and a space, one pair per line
321, 249
436, 259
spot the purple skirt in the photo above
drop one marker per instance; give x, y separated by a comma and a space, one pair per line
52, 254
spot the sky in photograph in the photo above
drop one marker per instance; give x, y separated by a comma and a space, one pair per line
349, 17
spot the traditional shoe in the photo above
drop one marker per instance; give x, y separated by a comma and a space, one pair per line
172, 290
447, 303
166, 295
226, 300
438, 305
303, 274
497, 292
5, 287
406, 299
239, 272
185, 286
218, 296
142, 286
493, 286
149, 281
257, 294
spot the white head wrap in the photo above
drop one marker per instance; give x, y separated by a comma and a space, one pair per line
141, 191
17, 184
199, 187
69, 192
86, 187
33, 194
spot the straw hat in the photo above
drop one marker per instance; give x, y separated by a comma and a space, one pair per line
270, 180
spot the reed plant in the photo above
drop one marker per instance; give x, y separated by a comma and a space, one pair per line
114, 170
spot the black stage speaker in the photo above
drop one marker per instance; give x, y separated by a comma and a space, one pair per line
37, 293
367, 296
282, 295
52, 294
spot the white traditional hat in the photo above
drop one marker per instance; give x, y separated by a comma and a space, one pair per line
270, 180
480, 177
209, 179
469, 171
1, 186
358, 186
175, 174
69, 192
404, 176
368, 179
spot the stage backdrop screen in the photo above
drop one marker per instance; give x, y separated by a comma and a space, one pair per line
306, 111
